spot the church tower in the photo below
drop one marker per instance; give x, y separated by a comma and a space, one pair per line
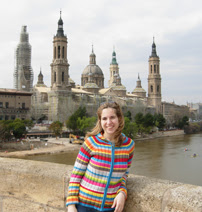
154, 80
23, 74
114, 69
59, 65
60, 94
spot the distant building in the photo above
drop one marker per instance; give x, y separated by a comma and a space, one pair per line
196, 110
63, 97
23, 74
14, 104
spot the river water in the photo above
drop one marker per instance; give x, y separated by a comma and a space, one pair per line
163, 158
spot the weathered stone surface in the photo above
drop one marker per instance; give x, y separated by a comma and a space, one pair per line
41, 186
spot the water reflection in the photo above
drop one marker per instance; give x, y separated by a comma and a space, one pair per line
163, 158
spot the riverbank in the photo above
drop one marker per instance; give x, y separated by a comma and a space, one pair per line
53, 145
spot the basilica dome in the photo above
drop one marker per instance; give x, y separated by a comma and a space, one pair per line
92, 73
94, 69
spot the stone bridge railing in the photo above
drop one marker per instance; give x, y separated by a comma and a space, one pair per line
41, 186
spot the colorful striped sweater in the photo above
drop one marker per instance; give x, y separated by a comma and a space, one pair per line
100, 173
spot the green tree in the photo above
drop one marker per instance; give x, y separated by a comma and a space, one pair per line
28, 123
182, 122
159, 121
130, 128
128, 114
148, 120
5, 130
139, 119
56, 128
18, 128
71, 123
85, 124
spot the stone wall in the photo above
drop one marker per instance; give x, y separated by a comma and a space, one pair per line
41, 186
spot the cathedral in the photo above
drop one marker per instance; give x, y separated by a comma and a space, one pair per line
63, 97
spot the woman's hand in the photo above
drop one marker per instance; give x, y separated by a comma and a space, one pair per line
119, 202
71, 208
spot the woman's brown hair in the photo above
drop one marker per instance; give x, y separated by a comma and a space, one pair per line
98, 128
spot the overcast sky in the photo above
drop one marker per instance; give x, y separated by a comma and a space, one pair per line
128, 25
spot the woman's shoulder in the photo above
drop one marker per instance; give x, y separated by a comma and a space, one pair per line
95, 138
128, 140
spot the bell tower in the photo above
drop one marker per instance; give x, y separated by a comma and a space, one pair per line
60, 93
59, 65
154, 80
114, 69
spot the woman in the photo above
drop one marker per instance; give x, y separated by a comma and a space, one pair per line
98, 180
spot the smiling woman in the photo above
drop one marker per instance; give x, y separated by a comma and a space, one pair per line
98, 180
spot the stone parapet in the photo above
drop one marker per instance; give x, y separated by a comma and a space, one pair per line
41, 186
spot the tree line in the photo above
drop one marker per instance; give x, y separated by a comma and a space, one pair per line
80, 123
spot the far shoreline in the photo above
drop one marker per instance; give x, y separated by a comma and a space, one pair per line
62, 145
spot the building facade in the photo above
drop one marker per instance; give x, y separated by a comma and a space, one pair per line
14, 104
63, 97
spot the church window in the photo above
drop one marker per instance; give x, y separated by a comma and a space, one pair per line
7, 104
158, 88
23, 105
54, 76
58, 52
63, 52
158, 69
151, 69
1, 104
55, 53
152, 88
63, 76
154, 68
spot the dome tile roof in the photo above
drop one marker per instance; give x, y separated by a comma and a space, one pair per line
94, 69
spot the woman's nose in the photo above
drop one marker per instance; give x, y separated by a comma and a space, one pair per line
109, 121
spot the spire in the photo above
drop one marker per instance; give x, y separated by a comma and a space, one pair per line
60, 31
114, 62
138, 85
153, 54
92, 49
40, 78
92, 57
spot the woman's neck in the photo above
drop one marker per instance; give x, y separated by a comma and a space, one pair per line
109, 138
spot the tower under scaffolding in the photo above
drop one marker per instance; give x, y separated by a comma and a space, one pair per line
23, 74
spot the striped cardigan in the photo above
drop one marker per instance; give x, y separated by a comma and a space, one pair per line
100, 173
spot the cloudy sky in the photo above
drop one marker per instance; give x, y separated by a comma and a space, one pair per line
129, 26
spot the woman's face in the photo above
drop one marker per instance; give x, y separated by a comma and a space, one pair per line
109, 122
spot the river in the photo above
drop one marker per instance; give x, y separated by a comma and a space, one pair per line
163, 158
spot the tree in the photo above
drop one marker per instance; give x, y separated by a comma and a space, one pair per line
139, 119
71, 123
28, 123
86, 123
5, 130
130, 128
148, 120
159, 121
18, 128
128, 114
56, 128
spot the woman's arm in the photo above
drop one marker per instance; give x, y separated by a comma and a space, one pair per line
78, 172
122, 187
